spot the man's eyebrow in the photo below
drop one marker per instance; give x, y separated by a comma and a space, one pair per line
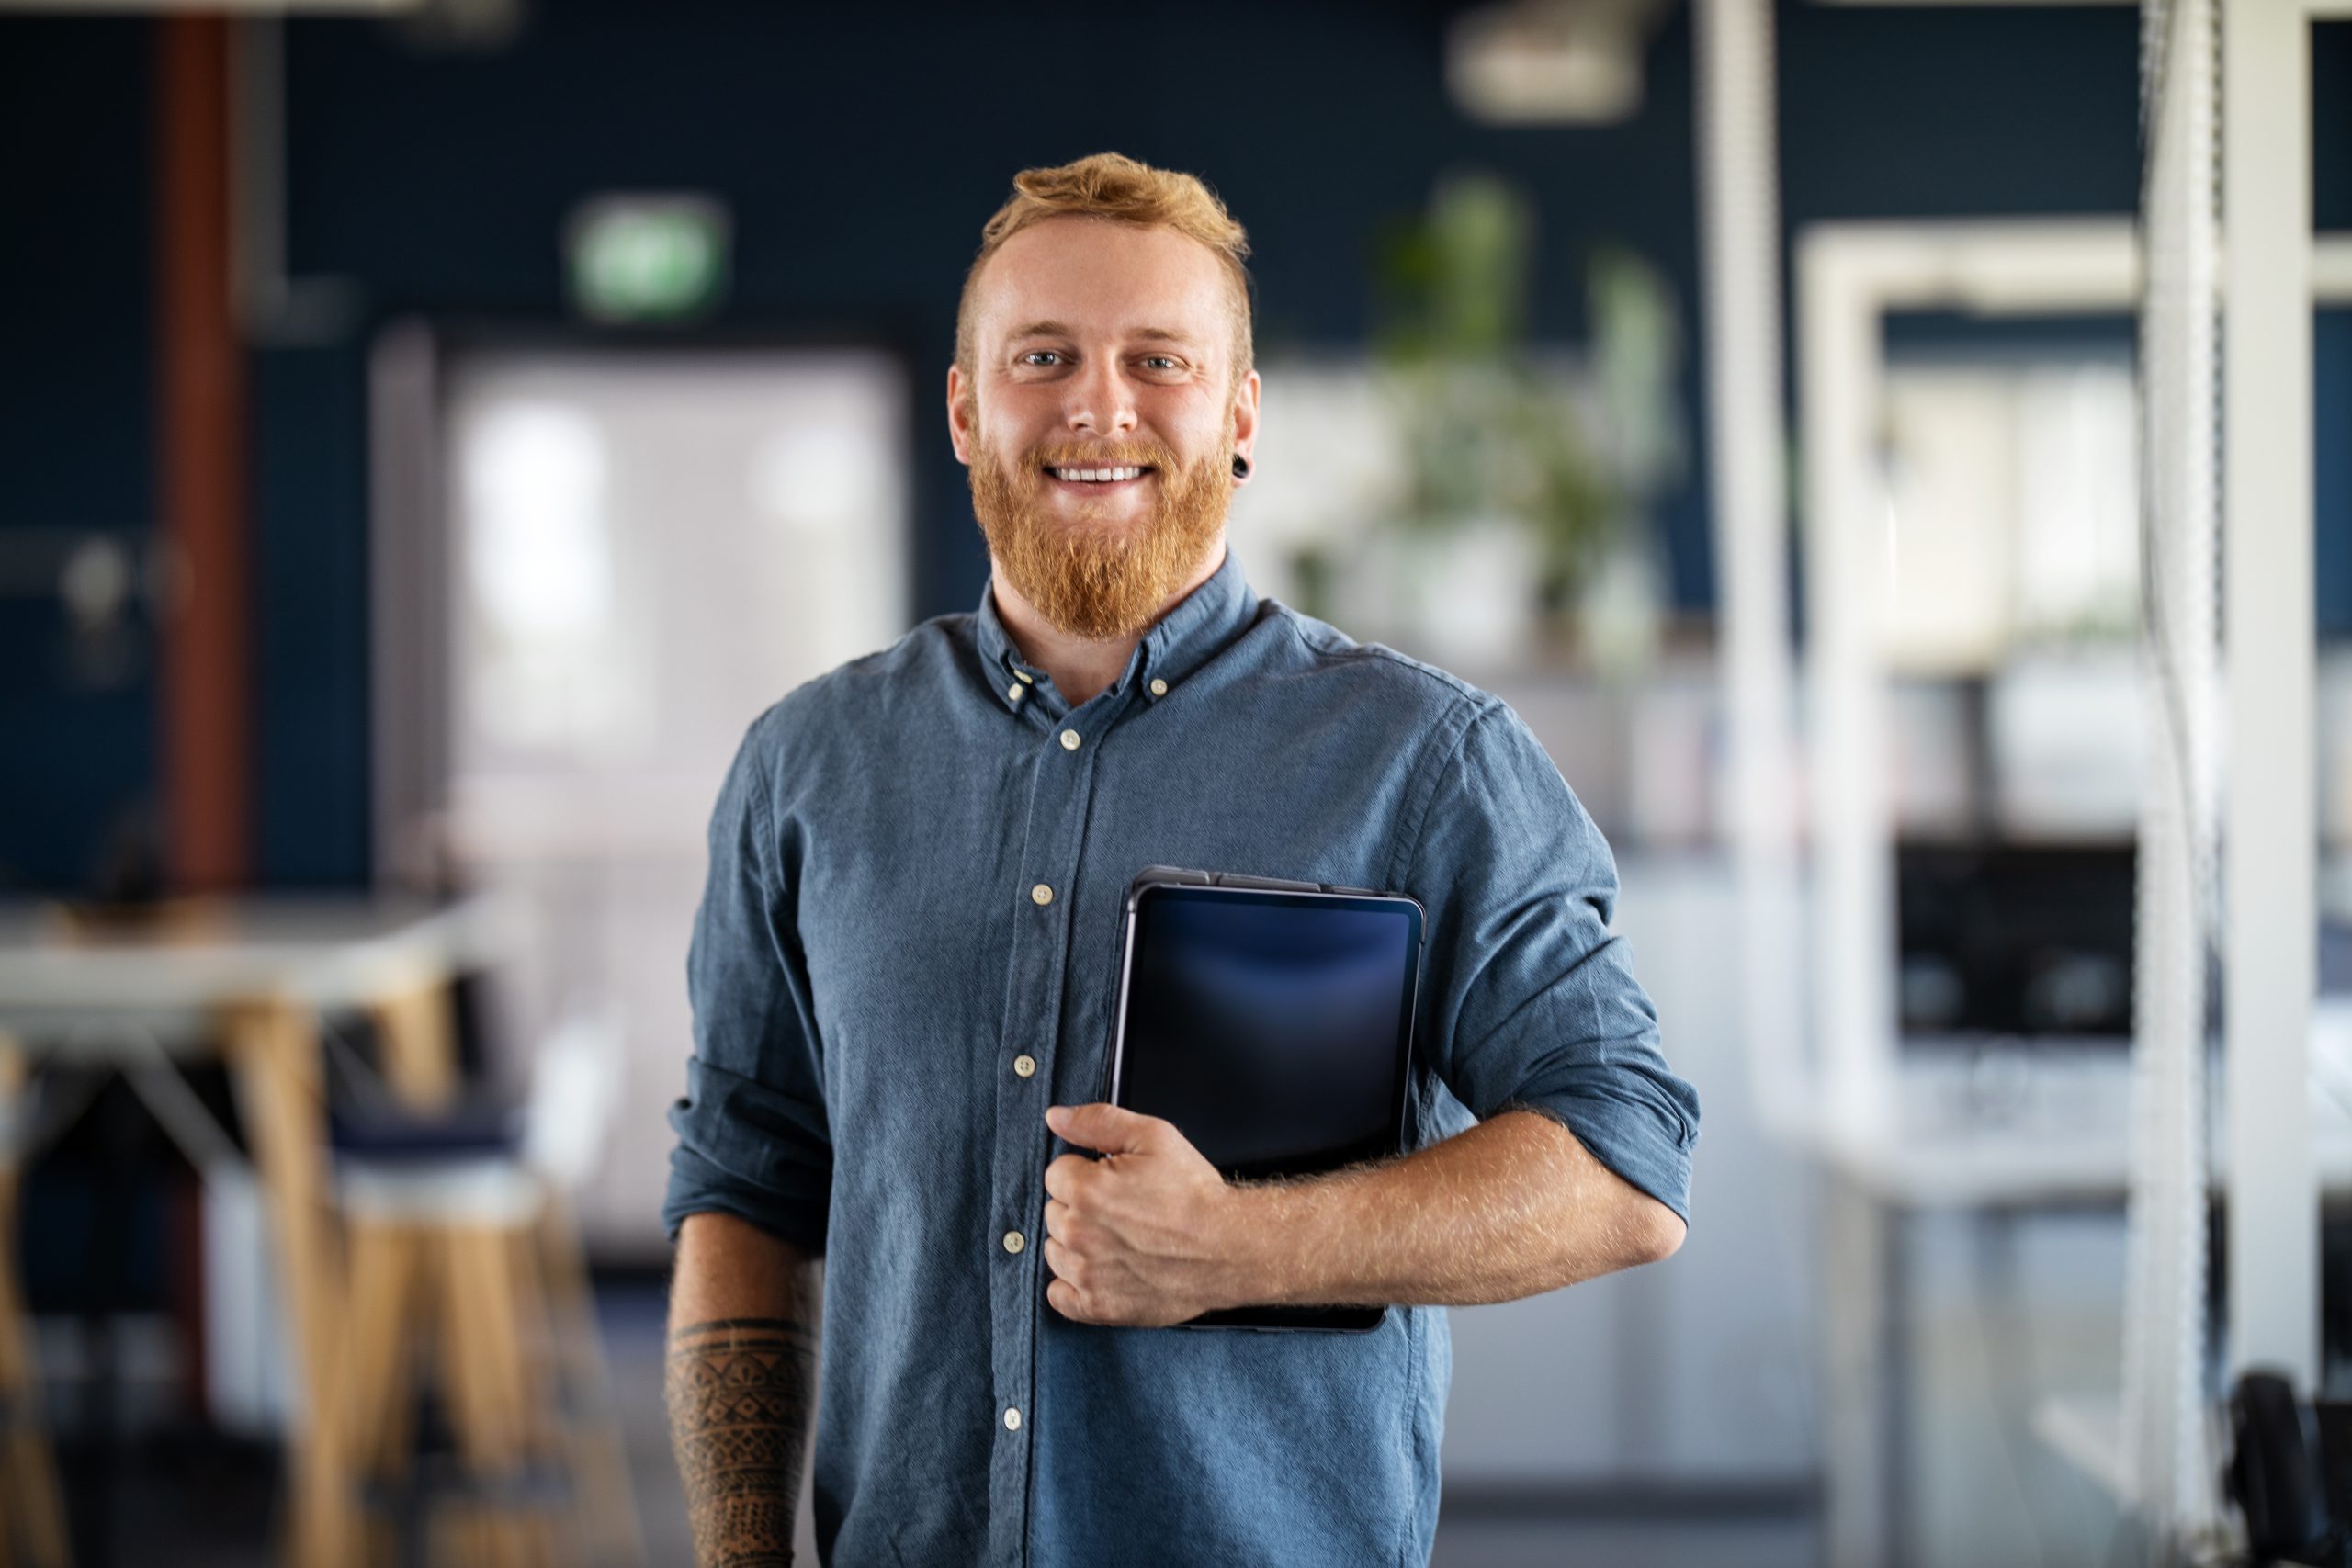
1062, 329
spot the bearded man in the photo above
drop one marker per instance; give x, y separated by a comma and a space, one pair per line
902, 981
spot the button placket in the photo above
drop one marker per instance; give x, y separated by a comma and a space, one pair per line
1059, 793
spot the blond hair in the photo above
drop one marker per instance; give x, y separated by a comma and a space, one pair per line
1119, 189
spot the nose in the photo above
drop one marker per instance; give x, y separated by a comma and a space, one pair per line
1101, 399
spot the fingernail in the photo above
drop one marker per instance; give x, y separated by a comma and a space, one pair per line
1055, 1116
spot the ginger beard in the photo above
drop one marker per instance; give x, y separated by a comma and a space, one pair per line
1096, 576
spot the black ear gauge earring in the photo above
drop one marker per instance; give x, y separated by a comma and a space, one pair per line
1241, 467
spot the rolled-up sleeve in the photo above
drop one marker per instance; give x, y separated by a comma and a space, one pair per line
752, 1136
1533, 1002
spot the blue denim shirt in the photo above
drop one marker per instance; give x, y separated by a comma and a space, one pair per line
906, 949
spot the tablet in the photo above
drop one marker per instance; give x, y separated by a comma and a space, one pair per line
1272, 1023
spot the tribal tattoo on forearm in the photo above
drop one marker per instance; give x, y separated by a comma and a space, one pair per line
739, 1391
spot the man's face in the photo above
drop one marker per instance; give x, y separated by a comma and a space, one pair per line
1102, 417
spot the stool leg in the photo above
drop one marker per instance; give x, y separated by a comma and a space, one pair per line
517, 1306
553, 1533
460, 1523
490, 1407
376, 1388
599, 1458
32, 1505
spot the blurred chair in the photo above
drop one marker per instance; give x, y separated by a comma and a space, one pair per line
460, 1232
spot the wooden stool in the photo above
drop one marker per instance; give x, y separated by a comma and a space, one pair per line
457, 1253
440, 1249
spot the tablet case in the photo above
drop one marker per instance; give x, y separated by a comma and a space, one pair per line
1340, 1319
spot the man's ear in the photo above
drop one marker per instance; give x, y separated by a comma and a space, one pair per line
959, 414
1245, 417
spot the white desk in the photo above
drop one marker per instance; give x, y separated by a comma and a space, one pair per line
2060, 1141
319, 951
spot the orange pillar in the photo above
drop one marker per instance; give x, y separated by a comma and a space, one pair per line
204, 672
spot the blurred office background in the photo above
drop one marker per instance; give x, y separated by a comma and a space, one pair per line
433, 431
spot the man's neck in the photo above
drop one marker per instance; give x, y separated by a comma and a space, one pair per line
1081, 668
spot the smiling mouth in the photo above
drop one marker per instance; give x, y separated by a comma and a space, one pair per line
1100, 478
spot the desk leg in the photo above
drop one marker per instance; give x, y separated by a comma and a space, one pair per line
274, 1049
30, 1501
1862, 1357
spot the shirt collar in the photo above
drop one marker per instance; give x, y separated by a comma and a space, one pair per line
1179, 642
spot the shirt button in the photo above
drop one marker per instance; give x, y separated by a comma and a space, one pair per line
1014, 1241
1012, 1419
1159, 688
1041, 895
1024, 676
1024, 1066
1069, 740
1015, 692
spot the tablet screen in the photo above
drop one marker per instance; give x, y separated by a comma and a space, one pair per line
1271, 1028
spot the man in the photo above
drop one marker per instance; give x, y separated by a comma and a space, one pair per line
903, 969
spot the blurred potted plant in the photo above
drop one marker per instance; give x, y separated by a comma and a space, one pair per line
1526, 490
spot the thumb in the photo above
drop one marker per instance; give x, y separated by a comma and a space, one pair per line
1102, 1126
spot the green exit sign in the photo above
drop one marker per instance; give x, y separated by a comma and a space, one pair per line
647, 258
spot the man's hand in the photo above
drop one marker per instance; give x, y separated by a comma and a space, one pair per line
1140, 1237
1151, 1235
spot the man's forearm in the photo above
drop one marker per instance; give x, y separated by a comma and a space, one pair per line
1511, 1208
741, 1382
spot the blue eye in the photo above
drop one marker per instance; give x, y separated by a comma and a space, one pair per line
1159, 361
1035, 355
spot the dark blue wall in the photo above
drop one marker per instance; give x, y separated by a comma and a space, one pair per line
860, 149
77, 415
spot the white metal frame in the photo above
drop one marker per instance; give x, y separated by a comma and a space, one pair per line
1850, 276
2269, 275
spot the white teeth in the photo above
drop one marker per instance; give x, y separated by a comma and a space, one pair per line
1099, 475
